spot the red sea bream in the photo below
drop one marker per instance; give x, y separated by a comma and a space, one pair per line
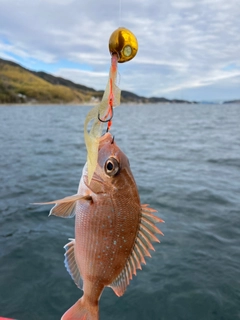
113, 231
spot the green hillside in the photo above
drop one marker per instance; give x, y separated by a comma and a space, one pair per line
20, 85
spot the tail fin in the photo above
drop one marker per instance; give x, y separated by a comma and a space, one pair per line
82, 310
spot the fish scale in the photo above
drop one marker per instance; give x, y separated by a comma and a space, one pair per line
108, 228
113, 231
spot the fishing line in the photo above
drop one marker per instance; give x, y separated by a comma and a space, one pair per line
120, 12
118, 80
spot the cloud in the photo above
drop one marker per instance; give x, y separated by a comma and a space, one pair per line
99, 79
183, 44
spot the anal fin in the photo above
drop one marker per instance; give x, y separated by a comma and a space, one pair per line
71, 264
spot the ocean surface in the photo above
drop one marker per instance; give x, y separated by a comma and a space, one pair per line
186, 162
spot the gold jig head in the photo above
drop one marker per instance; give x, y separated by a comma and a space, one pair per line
124, 44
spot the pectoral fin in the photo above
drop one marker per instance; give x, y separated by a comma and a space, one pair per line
65, 207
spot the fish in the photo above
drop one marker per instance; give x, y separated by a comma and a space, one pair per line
113, 230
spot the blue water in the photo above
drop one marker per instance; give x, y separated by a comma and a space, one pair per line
186, 161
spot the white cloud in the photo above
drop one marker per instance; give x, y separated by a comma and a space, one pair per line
98, 80
183, 44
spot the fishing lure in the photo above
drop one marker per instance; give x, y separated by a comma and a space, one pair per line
123, 47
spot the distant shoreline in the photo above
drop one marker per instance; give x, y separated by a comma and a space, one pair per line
87, 104
19, 85
45, 104
36, 88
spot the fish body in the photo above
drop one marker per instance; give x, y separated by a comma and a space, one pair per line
113, 231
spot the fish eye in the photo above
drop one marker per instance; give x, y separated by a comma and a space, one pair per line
111, 167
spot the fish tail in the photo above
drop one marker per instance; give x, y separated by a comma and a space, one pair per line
82, 310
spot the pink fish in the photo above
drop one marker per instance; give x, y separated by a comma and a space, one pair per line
113, 231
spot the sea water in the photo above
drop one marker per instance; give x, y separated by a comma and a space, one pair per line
186, 162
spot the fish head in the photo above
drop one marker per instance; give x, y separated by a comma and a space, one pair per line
113, 171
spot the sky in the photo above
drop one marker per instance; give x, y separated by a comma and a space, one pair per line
188, 49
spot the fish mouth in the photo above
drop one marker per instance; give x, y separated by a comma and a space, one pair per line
106, 137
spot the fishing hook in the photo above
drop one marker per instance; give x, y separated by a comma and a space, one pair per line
107, 120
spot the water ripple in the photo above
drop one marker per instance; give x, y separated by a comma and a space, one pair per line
186, 163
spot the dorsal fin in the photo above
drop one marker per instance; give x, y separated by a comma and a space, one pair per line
140, 249
71, 265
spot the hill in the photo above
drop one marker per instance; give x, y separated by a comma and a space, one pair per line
232, 101
20, 85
